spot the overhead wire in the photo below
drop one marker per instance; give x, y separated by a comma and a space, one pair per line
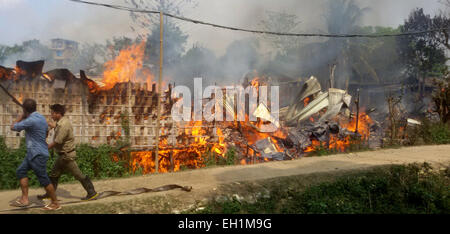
375, 35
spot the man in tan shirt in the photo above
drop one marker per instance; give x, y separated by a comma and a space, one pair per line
64, 145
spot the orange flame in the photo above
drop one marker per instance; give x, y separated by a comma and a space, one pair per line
340, 145
189, 155
126, 66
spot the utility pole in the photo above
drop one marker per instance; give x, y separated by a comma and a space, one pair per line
158, 124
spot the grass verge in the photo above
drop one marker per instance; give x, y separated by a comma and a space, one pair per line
411, 189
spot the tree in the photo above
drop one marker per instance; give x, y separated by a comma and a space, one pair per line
117, 44
30, 50
281, 22
240, 57
6, 51
197, 62
343, 16
442, 21
350, 55
375, 59
173, 45
91, 58
149, 28
423, 54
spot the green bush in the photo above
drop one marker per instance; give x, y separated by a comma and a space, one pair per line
10, 160
429, 133
229, 158
439, 134
412, 189
96, 162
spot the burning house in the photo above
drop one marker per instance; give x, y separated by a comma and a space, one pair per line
123, 106
95, 114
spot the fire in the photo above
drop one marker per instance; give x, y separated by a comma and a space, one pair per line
306, 101
198, 143
340, 145
364, 122
221, 146
20, 98
190, 155
255, 82
126, 67
46, 76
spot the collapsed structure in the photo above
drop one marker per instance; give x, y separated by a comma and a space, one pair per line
106, 113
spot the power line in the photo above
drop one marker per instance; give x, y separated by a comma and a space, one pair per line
124, 8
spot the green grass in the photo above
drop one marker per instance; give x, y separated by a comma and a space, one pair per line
412, 189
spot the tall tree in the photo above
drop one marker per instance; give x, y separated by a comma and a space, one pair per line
341, 17
148, 27
240, 57
90, 58
281, 22
422, 54
344, 17
29, 50
198, 62
6, 51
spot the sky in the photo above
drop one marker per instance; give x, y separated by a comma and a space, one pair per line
45, 19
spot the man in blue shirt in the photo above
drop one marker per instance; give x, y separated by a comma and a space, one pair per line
35, 127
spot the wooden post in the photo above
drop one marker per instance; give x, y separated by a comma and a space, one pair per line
172, 164
158, 124
83, 112
357, 110
332, 68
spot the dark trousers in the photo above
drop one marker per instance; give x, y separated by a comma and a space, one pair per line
66, 163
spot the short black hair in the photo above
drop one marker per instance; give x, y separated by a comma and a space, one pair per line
29, 105
58, 109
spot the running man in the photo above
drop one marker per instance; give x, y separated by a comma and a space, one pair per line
64, 145
35, 127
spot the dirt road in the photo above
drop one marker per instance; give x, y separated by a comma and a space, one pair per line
204, 181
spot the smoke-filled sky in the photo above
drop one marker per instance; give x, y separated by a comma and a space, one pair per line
45, 19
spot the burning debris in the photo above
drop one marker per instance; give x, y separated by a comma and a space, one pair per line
316, 118
188, 144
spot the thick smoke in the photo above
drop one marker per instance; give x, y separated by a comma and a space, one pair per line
218, 55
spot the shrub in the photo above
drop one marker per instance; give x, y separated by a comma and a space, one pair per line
412, 189
429, 133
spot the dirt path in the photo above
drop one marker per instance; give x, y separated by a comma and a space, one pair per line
206, 180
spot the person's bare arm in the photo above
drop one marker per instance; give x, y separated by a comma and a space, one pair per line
20, 118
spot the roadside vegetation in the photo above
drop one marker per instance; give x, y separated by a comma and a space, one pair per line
106, 161
411, 189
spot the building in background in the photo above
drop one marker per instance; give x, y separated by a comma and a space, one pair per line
63, 52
